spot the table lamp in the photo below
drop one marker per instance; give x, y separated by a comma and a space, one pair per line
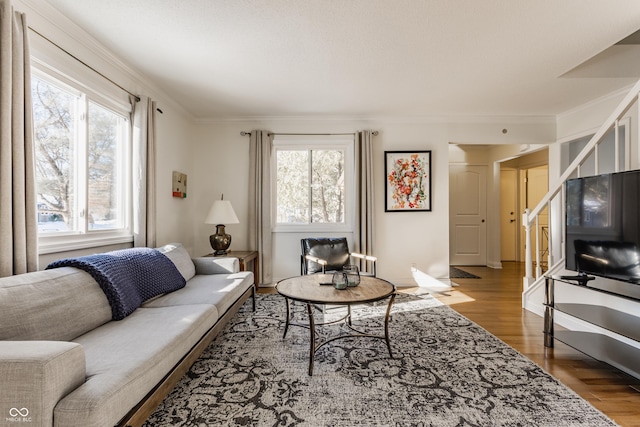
221, 213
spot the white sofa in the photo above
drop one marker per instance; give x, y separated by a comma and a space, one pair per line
65, 362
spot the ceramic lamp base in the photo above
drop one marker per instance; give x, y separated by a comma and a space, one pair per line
220, 241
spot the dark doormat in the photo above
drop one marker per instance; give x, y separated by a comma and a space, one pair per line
456, 273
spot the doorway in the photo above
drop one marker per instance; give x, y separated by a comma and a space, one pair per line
535, 181
509, 220
524, 181
485, 227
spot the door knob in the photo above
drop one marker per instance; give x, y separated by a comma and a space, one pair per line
512, 220
483, 220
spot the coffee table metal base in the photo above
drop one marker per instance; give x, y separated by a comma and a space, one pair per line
314, 347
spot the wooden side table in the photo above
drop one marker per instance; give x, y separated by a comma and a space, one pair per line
244, 258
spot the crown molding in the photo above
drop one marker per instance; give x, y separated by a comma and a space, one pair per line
54, 25
429, 119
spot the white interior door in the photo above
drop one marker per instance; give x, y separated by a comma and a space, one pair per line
509, 216
468, 213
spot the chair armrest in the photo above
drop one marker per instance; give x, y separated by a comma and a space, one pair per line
213, 265
304, 265
365, 257
320, 261
36, 375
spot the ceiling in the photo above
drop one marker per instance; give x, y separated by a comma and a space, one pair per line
370, 58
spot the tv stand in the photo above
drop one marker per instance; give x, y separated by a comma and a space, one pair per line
600, 346
582, 279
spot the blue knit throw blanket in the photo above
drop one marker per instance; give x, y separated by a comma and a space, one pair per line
128, 277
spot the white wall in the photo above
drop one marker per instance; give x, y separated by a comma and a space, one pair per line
402, 238
175, 152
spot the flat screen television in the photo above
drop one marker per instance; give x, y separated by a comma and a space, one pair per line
603, 226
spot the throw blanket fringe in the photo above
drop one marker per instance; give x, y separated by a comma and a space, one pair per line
128, 277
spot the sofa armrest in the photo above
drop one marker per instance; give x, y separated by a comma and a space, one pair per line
35, 376
212, 265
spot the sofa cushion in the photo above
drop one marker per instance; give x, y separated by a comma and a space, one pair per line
126, 359
56, 305
221, 290
180, 257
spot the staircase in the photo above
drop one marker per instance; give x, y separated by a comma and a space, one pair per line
552, 204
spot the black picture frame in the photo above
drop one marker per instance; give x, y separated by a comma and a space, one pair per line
407, 181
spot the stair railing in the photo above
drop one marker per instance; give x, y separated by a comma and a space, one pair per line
531, 218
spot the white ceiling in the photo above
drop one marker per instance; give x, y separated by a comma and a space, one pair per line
367, 58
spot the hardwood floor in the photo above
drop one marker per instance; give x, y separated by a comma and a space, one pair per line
495, 302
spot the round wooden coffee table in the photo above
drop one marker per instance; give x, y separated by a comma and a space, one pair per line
316, 289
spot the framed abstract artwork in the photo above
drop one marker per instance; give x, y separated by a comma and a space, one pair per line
407, 181
179, 185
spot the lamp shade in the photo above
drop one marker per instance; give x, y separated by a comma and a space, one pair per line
221, 212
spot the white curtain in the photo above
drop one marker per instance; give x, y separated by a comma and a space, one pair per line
143, 120
18, 214
260, 202
364, 241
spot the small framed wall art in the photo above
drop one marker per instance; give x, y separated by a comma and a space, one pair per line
407, 181
179, 185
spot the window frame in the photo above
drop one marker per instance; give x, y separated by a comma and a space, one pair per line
111, 100
345, 143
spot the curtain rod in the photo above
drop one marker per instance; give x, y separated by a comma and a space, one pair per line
244, 133
85, 64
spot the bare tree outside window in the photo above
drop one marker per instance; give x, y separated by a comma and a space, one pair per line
310, 186
55, 129
79, 156
327, 186
292, 186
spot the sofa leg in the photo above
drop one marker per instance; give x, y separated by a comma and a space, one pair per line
253, 297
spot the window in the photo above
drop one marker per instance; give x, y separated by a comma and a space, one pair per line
82, 162
313, 184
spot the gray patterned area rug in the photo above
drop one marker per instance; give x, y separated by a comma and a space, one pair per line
446, 371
